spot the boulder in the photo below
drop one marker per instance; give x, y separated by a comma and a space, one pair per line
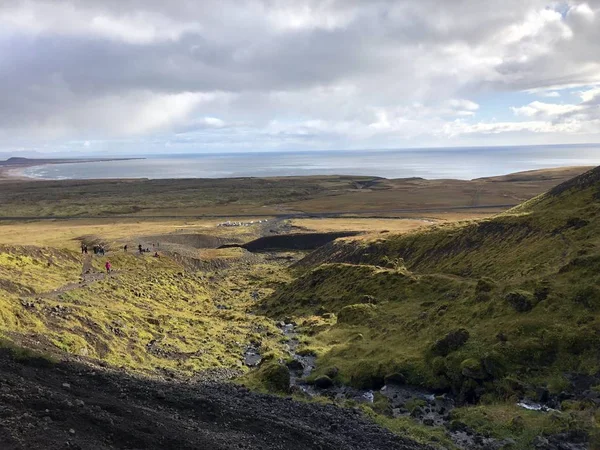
520, 301
451, 342
323, 382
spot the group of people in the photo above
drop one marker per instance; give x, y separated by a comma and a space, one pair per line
142, 250
98, 249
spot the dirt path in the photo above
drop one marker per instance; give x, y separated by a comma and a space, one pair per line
88, 276
72, 406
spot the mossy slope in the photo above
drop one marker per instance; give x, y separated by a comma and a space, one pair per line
489, 310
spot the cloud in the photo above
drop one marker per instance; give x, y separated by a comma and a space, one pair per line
535, 109
310, 73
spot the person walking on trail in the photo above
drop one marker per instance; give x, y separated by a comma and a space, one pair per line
140, 248
108, 267
125, 247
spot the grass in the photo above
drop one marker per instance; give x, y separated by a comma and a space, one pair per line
521, 289
488, 309
262, 195
151, 315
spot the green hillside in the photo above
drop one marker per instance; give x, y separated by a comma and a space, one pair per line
491, 311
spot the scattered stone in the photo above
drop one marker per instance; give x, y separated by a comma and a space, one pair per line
71, 431
66, 385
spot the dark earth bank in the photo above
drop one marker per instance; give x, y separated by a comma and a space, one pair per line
74, 406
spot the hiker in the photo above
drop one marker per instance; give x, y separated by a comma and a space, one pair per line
108, 267
140, 248
85, 249
156, 254
82, 249
125, 247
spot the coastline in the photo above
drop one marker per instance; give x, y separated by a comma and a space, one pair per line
15, 171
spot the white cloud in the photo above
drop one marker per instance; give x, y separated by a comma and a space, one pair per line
330, 73
549, 94
535, 109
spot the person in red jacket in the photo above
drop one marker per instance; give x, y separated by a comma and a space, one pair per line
108, 266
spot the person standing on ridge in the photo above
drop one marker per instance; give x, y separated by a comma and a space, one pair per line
140, 248
125, 247
108, 266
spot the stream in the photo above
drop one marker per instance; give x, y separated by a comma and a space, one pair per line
421, 405
405, 401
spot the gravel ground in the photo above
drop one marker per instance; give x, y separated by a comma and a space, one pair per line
74, 406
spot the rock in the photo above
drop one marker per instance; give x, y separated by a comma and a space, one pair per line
543, 395
451, 342
457, 425
428, 421
541, 443
519, 300
276, 377
71, 431
356, 314
517, 423
368, 299
79, 403
161, 395
66, 385
294, 364
332, 372
417, 412
472, 368
395, 378
323, 382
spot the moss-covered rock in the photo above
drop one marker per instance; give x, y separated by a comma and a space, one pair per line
521, 301
472, 368
357, 314
275, 377
323, 382
451, 342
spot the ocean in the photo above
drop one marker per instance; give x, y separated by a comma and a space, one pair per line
457, 163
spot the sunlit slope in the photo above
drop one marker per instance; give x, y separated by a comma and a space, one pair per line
485, 309
150, 314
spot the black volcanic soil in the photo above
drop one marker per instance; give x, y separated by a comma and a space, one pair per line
298, 241
74, 406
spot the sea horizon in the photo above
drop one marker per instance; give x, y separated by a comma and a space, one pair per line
430, 163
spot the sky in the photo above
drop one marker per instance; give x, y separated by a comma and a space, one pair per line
177, 76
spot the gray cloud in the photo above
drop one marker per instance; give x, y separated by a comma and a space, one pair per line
308, 73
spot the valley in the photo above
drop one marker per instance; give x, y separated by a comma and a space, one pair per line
315, 312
